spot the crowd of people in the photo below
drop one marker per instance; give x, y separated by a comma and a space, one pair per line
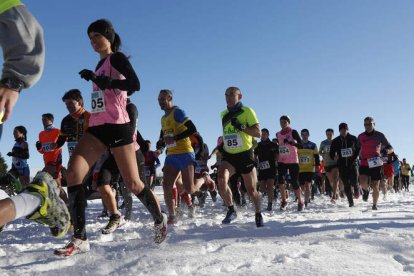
109, 156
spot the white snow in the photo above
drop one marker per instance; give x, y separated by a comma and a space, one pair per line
324, 239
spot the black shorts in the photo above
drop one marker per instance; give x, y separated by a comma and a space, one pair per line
112, 135
267, 174
242, 162
305, 177
330, 168
375, 173
282, 172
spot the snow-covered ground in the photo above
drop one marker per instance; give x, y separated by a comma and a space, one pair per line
324, 239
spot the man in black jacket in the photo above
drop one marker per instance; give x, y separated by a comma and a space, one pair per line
343, 150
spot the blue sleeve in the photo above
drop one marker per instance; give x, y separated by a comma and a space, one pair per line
179, 115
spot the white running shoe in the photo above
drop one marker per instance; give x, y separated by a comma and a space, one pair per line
75, 246
160, 230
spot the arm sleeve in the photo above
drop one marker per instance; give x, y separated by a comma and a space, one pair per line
191, 129
133, 115
141, 142
131, 82
23, 46
296, 136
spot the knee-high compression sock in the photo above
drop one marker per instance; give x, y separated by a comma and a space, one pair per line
148, 199
77, 204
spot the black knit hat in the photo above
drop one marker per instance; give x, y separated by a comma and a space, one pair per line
343, 125
104, 27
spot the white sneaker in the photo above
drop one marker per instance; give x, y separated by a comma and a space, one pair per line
75, 246
160, 230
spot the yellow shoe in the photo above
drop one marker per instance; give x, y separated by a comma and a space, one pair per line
53, 211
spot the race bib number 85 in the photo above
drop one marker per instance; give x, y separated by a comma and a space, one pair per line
233, 141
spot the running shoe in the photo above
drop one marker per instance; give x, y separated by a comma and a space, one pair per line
283, 205
230, 216
160, 230
10, 184
269, 206
172, 220
259, 220
365, 195
374, 207
191, 211
74, 246
300, 206
115, 221
52, 211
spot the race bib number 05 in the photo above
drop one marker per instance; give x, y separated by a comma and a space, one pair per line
375, 162
98, 101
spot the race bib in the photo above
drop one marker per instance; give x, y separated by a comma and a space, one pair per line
384, 159
71, 147
172, 145
346, 152
264, 165
304, 159
98, 101
327, 149
47, 147
233, 141
375, 162
283, 150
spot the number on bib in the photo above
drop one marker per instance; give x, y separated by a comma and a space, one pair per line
346, 152
375, 162
264, 165
71, 147
47, 147
304, 159
283, 150
98, 101
233, 141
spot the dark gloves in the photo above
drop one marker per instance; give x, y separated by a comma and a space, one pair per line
87, 75
9, 154
102, 82
237, 124
38, 145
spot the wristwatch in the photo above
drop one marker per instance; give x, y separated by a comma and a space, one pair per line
243, 127
12, 83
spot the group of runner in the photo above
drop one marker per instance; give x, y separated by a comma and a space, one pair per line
105, 148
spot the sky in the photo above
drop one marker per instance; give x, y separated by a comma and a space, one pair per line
320, 62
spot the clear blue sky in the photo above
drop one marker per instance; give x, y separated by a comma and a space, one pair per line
320, 62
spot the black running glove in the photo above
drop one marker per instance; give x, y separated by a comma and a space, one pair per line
103, 82
38, 145
87, 75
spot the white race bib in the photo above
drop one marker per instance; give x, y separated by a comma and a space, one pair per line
233, 141
346, 152
71, 147
47, 147
264, 165
283, 150
327, 149
304, 159
375, 162
172, 145
98, 101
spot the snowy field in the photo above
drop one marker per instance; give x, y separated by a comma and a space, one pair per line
324, 239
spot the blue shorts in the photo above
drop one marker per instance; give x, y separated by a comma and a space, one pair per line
180, 161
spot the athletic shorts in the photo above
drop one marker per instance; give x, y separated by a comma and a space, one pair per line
285, 170
375, 173
388, 170
269, 173
112, 135
305, 177
180, 161
330, 168
242, 162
